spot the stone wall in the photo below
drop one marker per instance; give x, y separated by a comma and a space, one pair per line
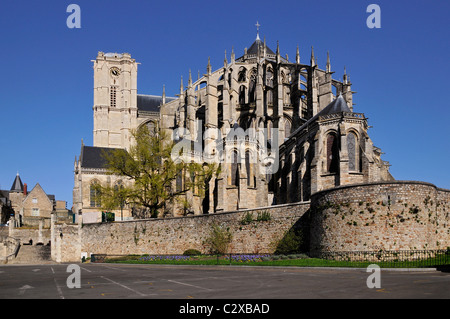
66, 247
33, 235
396, 215
177, 234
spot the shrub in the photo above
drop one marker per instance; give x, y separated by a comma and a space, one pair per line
264, 216
291, 242
191, 252
247, 218
219, 239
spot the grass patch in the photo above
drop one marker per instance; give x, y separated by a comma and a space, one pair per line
298, 260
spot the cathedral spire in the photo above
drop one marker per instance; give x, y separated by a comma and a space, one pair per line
181, 86
225, 61
190, 79
208, 67
278, 52
232, 55
328, 68
313, 59
257, 30
297, 57
345, 75
164, 94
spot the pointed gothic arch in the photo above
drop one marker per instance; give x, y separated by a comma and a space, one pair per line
353, 150
94, 193
332, 151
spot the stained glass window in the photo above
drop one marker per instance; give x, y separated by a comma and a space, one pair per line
351, 147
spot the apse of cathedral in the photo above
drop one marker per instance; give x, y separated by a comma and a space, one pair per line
281, 130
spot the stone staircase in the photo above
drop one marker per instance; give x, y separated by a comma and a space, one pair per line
32, 254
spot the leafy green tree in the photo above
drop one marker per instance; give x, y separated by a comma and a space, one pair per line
155, 179
219, 239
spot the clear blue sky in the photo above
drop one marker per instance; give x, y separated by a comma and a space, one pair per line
400, 72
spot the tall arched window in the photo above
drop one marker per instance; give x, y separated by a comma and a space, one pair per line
269, 96
94, 194
179, 181
242, 95
242, 75
269, 130
287, 127
151, 126
249, 169
352, 147
269, 77
234, 171
332, 153
252, 87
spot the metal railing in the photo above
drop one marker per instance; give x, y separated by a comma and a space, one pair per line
389, 258
384, 259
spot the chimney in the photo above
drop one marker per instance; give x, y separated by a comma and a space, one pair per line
25, 189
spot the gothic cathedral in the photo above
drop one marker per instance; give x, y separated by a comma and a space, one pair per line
281, 130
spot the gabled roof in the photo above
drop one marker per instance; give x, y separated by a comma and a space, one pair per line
17, 185
94, 157
38, 188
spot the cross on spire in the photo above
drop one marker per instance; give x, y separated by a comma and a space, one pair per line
257, 30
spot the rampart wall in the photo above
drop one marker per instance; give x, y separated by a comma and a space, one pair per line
397, 215
177, 234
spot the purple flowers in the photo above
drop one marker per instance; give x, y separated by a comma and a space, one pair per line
165, 257
248, 258
208, 259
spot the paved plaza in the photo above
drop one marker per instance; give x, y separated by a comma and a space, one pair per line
121, 281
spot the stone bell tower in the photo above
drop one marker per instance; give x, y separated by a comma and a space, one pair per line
115, 99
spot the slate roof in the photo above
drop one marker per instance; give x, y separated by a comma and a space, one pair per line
150, 103
253, 51
94, 157
17, 185
254, 48
336, 106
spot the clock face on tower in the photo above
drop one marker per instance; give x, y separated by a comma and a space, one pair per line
115, 71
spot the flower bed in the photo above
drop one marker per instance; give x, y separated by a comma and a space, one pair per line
248, 258
165, 258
